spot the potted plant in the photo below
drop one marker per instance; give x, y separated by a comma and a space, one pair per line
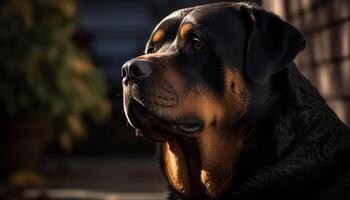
47, 86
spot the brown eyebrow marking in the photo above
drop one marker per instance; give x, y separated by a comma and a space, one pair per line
158, 35
185, 28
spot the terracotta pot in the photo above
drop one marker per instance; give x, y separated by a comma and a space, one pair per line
26, 144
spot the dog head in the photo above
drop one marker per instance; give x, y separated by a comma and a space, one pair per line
196, 82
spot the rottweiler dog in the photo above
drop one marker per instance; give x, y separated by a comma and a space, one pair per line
233, 118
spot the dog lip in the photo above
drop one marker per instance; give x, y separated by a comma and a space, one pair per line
147, 122
144, 116
190, 126
144, 122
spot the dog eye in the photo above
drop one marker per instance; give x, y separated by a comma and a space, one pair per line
198, 45
151, 49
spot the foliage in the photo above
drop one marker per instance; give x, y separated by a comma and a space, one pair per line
42, 74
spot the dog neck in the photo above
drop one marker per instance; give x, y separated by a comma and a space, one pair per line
214, 167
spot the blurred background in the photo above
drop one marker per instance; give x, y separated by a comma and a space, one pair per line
63, 134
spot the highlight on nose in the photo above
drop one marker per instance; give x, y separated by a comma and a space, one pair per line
136, 69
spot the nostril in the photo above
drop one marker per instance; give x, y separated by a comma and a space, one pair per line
136, 71
140, 69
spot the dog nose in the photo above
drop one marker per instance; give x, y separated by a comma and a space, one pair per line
136, 69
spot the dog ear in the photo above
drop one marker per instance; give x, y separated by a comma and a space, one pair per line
272, 45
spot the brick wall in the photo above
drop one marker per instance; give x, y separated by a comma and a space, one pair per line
326, 60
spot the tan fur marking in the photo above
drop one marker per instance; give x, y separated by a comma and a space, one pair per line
219, 153
174, 166
220, 146
185, 29
158, 36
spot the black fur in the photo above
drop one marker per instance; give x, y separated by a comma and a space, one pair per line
299, 150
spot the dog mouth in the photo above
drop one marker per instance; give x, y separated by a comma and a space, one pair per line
158, 128
179, 134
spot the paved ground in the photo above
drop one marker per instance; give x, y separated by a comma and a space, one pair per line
81, 194
99, 178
